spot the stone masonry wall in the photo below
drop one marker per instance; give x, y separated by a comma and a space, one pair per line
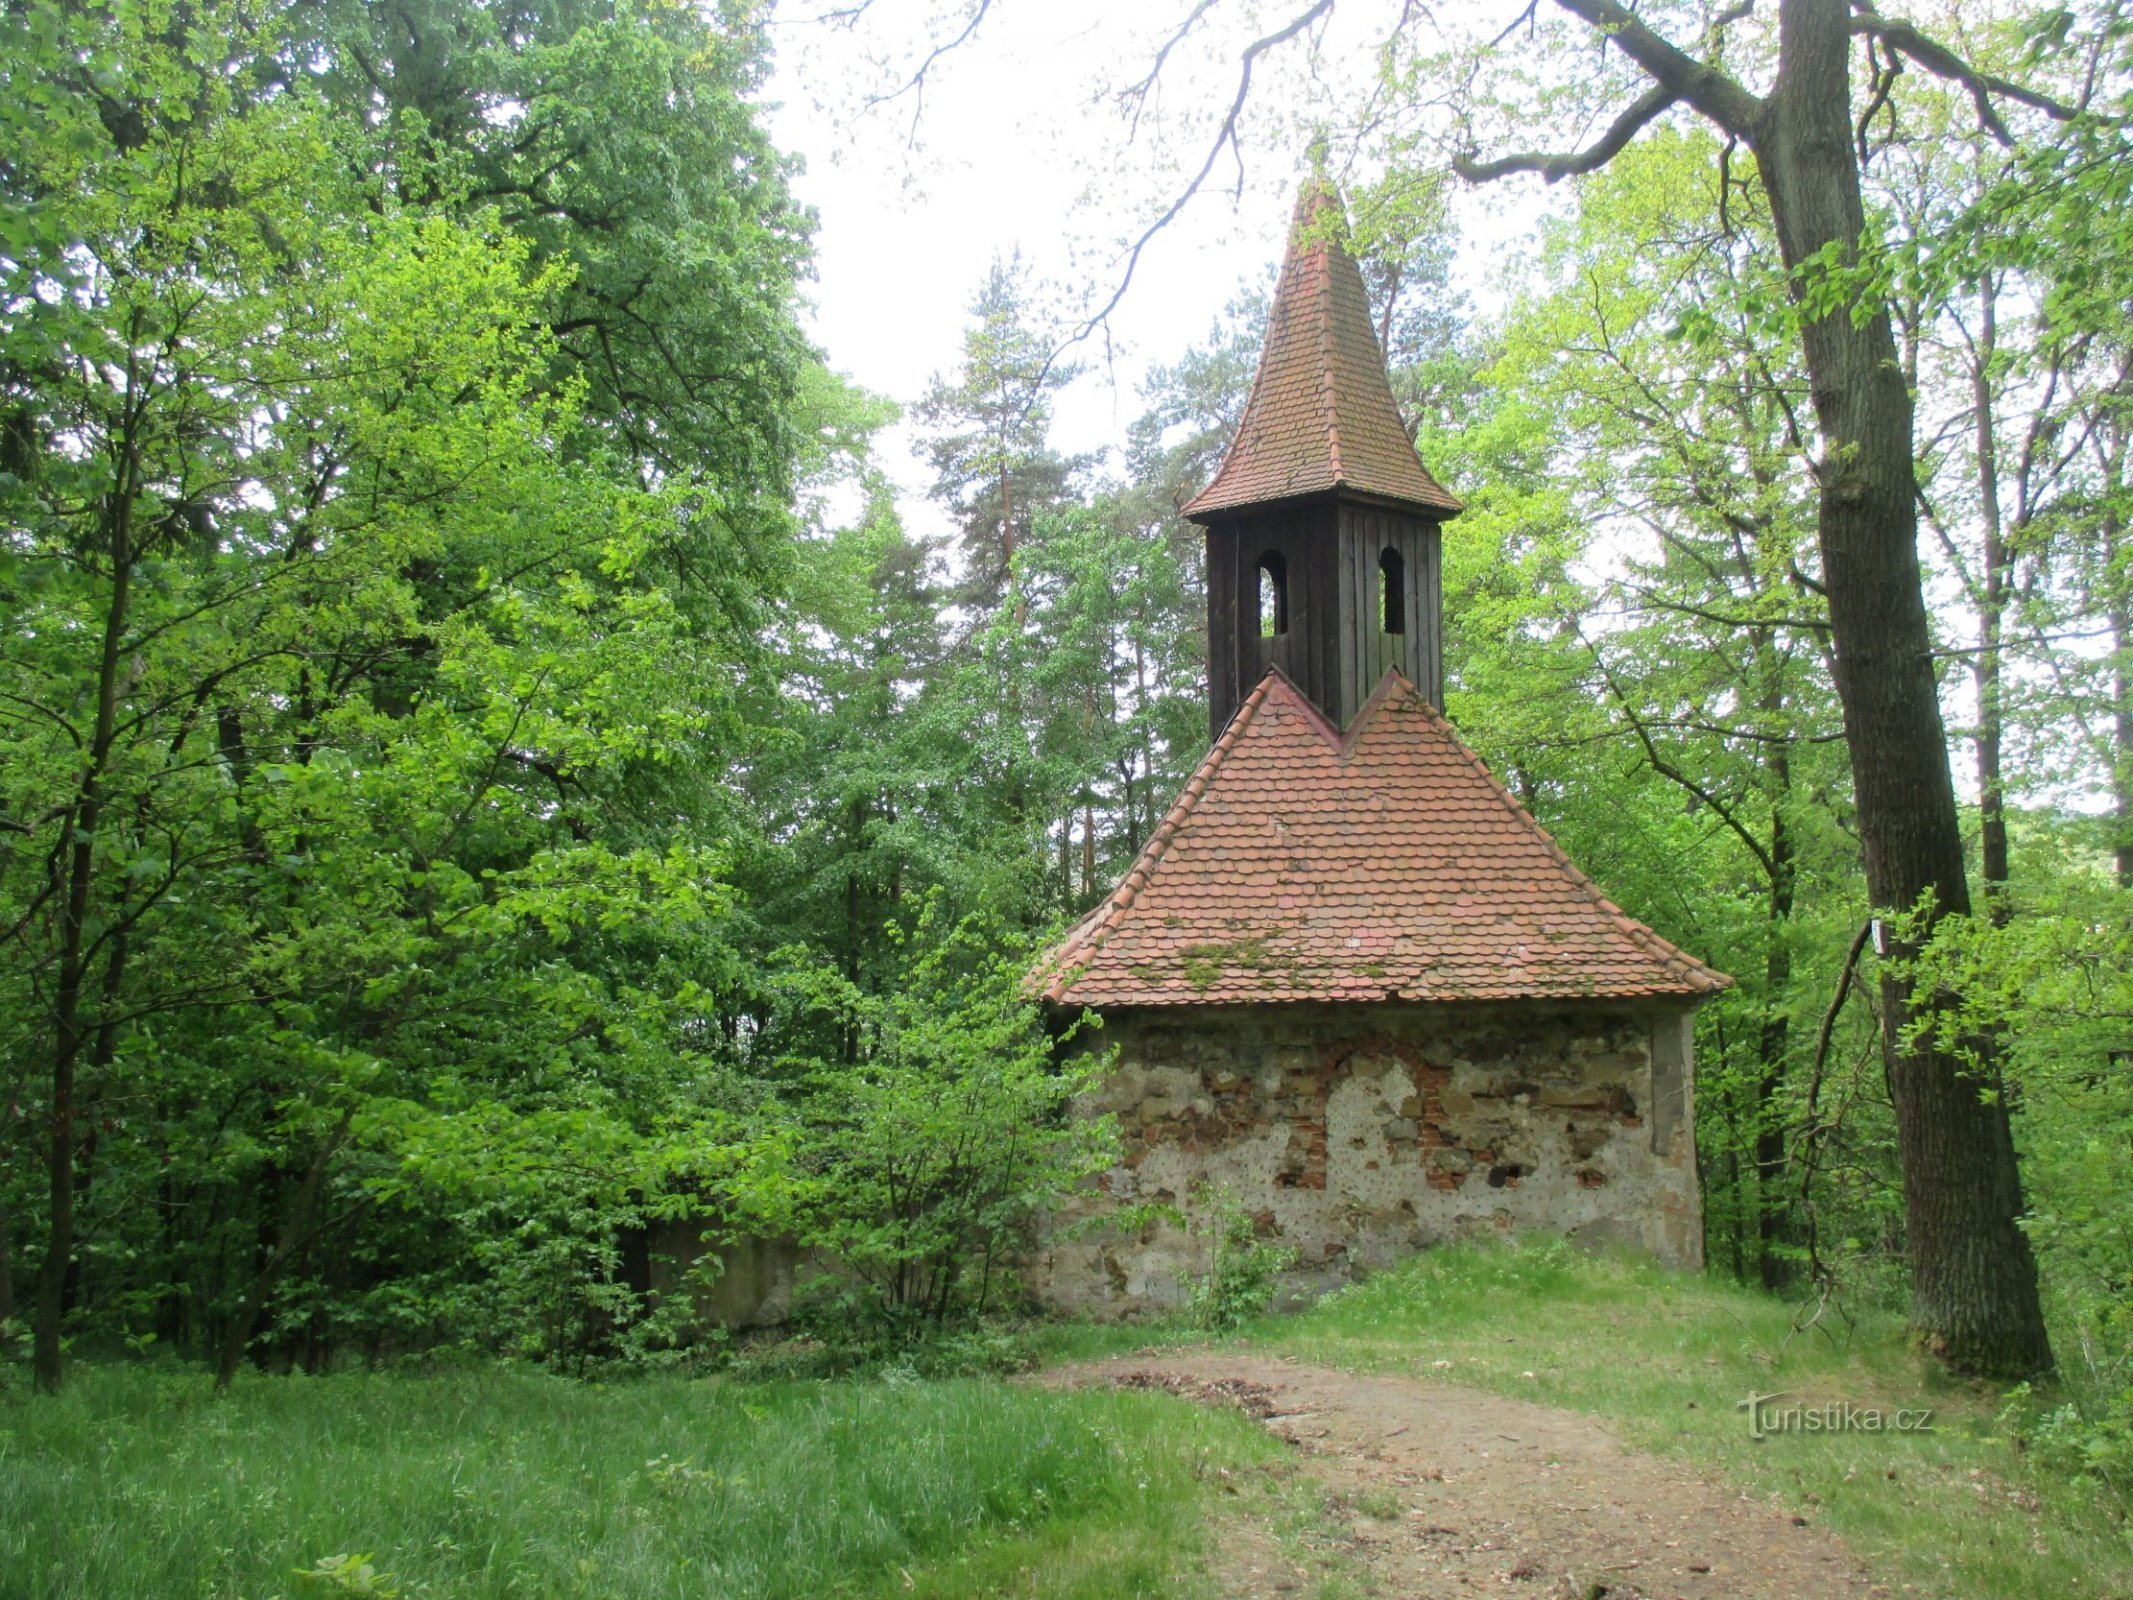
1359, 1135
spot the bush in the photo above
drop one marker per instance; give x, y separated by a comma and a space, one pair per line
1243, 1270
924, 1159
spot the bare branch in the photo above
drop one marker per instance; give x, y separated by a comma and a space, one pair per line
1524, 19
1225, 139
1884, 80
1897, 36
916, 83
1136, 94
1665, 768
1554, 168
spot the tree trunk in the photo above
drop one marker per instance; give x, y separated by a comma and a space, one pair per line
1772, 1202
70, 1029
1974, 1280
7, 1276
1088, 851
2120, 608
296, 1230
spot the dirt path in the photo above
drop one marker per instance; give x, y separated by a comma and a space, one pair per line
1455, 1491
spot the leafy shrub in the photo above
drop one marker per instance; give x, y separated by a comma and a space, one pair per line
1243, 1270
2085, 1437
923, 1159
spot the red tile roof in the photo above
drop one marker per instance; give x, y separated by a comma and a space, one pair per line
1386, 864
1321, 414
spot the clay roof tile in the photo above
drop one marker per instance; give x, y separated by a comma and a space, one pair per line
1321, 414
1441, 889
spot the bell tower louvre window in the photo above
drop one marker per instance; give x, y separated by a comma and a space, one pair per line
1273, 595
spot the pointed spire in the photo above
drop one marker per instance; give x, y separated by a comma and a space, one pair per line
1321, 414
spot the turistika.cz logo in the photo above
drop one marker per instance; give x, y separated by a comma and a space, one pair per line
1766, 1416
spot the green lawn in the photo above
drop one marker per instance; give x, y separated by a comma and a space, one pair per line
145, 1485
140, 1482
1668, 1356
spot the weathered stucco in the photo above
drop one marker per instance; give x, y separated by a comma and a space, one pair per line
1358, 1135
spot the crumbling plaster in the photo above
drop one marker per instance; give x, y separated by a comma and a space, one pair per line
1357, 1135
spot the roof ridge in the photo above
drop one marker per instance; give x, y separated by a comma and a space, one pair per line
1389, 685
1320, 723
1085, 933
1645, 937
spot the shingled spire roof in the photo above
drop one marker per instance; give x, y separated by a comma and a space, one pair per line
1386, 863
1321, 414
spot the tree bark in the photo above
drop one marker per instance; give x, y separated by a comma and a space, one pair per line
1773, 1203
1973, 1278
1993, 868
2120, 608
296, 1230
1088, 851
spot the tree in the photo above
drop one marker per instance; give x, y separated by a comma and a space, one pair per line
357, 720
987, 436
1974, 1289
1674, 408
618, 141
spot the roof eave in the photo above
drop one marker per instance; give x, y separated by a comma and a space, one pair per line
1201, 510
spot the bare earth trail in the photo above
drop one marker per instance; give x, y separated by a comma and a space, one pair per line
1464, 1492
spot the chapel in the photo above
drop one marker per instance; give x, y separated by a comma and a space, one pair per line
1355, 989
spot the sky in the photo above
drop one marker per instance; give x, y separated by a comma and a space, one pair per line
1015, 146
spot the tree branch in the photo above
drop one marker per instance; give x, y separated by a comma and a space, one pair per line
1554, 168
1702, 85
1898, 36
1225, 139
917, 80
1136, 95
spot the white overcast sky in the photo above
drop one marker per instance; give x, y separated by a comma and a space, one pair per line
1017, 147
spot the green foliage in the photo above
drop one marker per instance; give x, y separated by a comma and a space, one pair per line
2054, 982
987, 435
927, 1154
363, 879
347, 1575
1243, 1270
2092, 1439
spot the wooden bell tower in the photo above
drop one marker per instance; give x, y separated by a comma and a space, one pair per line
1324, 548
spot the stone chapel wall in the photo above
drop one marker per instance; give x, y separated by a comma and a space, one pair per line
1360, 1135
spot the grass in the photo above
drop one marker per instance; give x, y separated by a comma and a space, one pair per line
1667, 1357
509, 1483
496, 1482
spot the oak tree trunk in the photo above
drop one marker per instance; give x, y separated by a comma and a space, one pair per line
1974, 1280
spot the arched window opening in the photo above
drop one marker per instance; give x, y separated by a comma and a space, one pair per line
1273, 595
1392, 590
